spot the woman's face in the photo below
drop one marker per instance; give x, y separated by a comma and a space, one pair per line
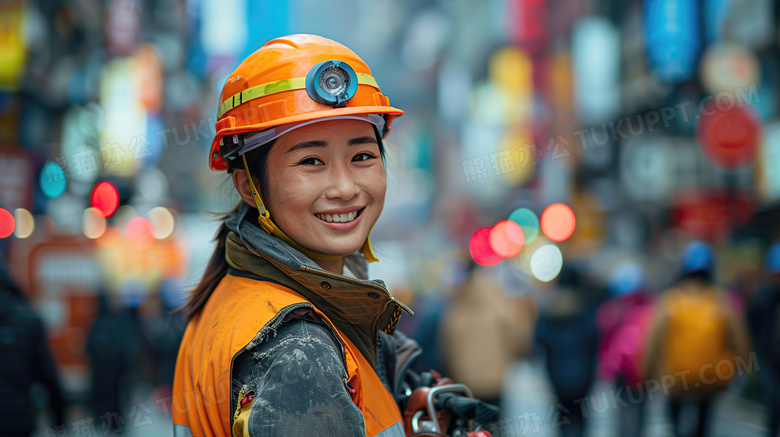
326, 185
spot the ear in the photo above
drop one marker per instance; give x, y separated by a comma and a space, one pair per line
242, 186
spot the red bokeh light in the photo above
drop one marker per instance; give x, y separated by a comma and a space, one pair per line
480, 250
7, 223
140, 233
105, 199
507, 239
558, 222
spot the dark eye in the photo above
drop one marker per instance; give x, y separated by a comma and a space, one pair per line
310, 161
363, 157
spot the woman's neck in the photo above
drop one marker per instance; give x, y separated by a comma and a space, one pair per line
334, 266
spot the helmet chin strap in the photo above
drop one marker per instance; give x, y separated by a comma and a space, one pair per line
264, 219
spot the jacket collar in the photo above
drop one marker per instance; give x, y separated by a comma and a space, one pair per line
357, 306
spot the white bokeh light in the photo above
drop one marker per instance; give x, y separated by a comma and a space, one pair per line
546, 262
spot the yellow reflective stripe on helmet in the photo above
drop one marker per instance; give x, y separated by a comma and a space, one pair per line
297, 83
272, 88
366, 79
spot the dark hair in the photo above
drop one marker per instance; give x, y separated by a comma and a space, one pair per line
217, 268
702, 275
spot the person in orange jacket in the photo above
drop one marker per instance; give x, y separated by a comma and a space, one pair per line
286, 334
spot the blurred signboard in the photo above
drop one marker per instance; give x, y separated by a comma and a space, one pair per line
728, 67
596, 60
711, 215
646, 169
217, 42
16, 179
123, 139
746, 22
528, 21
64, 278
80, 130
729, 137
672, 40
147, 70
123, 26
656, 168
768, 165
13, 53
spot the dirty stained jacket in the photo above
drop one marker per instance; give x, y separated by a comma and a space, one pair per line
283, 347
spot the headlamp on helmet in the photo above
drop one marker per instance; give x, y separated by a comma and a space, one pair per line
331, 83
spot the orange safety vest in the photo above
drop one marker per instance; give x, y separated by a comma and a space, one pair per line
238, 309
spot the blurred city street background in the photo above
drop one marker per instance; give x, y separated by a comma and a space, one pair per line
572, 149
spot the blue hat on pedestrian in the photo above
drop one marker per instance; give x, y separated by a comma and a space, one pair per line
772, 261
698, 257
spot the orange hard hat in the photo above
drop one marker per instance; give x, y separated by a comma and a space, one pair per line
294, 79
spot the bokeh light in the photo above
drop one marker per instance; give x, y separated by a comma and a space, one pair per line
25, 223
558, 222
105, 199
528, 221
7, 223
163, 222
52, 180
546, 262
93, 224
506, 239
140, 233
480, 250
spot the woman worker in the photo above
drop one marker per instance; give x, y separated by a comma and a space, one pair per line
286, 335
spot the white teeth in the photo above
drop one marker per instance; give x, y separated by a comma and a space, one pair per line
338, 218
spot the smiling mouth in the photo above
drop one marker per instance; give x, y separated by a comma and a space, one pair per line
340, 218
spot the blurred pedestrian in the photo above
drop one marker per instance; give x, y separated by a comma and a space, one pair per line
623, 322
24, 359
568, 334
429, 309
163, 330
694, 333
764, 319
112, 347
483, 333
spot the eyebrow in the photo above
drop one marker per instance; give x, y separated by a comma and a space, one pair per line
352, 142
361, 140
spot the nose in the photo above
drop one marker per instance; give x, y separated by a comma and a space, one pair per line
341, 184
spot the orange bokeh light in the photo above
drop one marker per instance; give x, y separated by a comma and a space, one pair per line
507, 239
558, 222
